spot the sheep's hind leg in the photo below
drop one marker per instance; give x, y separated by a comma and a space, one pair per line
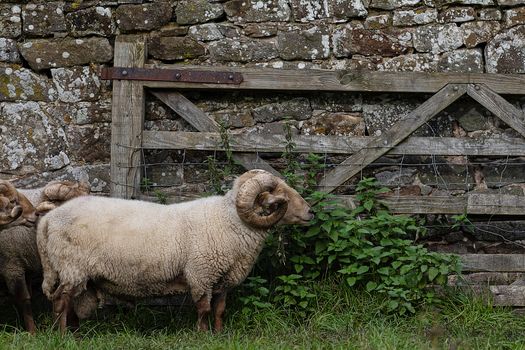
219, 305
203, 311
22, 297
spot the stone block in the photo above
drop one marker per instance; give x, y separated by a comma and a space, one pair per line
17, 83
505, 53
32, 139
490, 14
341, 124
11, 19
392, 4
242, 51
514, 16
174, 48
245, 11
91, 21
436, 38
143, 17
479, 32
197, 11
457, 14
297, 108
308, 44
422, 15
461, 61
43, 54
43, 19
9, 51
378, 21
205, 32
76, 84
383, 42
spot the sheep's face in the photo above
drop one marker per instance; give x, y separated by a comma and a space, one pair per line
298, 211
15, 208
264, 200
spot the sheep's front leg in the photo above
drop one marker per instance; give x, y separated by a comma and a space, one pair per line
63, 307
219, 305
203, 311
22, 297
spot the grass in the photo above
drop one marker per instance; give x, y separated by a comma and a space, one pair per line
343, 319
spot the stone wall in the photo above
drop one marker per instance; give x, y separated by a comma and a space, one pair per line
55, 111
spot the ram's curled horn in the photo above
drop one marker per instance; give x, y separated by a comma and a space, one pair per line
8, 217
255, 196
62, 191
45, 207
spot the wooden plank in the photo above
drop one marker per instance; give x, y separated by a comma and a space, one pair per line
399, 131
416, 204
496, 204
398, 204
512, 116
486, 278
127, 120
275, 143
187, 110
493, 262
508, 295
326, 80
202, 122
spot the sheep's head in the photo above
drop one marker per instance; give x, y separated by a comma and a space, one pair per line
58, 192
264, 200
14, 206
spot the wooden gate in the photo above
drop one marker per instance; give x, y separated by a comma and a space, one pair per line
133, 77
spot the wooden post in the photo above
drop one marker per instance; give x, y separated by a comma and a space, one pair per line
127, 119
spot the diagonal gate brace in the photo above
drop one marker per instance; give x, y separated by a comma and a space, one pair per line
399, 131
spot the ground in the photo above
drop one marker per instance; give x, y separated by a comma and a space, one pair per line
344, 319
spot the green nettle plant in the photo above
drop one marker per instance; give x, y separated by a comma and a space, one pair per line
366, 248
218, 172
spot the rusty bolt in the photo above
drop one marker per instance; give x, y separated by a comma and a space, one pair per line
177, 76
124, 72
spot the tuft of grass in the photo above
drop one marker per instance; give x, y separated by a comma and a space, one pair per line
344, 318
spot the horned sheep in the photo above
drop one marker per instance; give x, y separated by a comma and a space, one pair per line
19, 259
136, 249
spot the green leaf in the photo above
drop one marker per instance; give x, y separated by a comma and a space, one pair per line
370, 286
432, 273
392, 305
404, 269
351, 281
368, 204
362, 269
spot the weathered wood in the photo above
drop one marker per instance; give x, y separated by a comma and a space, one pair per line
485, 278
275, 143
187, 110
399, 131
508, 295
494, 204
127, 120
512, 116
202, 122
493, 262
325, 80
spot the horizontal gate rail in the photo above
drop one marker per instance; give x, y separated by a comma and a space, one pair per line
350, 81
275, 143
